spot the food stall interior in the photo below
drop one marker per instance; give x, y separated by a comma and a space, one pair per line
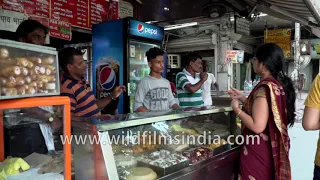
178, 144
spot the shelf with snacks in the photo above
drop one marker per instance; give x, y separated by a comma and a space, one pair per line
134, 61
27, 70
135, 78
160, 145
31, 111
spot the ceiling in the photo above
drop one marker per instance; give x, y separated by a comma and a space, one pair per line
270, 22
181, 11
178, 9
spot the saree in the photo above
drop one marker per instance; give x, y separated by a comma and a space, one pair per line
269, 159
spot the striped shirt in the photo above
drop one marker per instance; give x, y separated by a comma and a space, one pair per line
186, 98
83, 102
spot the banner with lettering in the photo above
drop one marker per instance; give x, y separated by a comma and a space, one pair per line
60, 29
10, 20
234, 56
79, 13
282, 37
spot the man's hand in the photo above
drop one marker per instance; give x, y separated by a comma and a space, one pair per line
117, 91
56, 124
142, 109
203, 76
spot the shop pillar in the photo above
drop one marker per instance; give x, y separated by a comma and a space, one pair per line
224, 71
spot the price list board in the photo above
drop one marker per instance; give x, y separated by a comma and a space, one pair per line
81, 14
62, 10
39, 8
12, 5
98, 11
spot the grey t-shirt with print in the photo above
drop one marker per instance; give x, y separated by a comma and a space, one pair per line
154, 94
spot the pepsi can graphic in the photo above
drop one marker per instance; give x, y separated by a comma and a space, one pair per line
107, 74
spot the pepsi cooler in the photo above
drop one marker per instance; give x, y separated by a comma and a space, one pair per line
119, 58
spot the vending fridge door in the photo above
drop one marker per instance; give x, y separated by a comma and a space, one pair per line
138, 65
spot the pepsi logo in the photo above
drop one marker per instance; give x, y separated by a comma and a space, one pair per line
107, 78
140, 28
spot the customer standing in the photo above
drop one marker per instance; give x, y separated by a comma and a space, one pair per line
206, 87
268, 111
189, 82
153, 92
311, 119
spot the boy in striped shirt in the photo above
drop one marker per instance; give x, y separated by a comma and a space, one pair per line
189, 82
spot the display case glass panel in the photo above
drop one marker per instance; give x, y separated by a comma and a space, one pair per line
154, 144
33, 138
27, 70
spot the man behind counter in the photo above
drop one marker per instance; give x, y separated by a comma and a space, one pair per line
73, 85
189, 82
33, 32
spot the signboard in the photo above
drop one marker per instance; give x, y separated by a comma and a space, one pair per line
62, 10
60, 29
141, 29
42, 20
125, 9
98, 11
9, 20
37, 8
315, 48
234, 56
281, 37
79, 13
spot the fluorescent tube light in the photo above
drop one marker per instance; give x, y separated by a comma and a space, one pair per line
150, 22
178, 26
260, 15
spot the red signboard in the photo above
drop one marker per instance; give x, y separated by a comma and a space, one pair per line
98, 11
62, 10
60, 29
42, 20
63, 13
113, 11
81, 14
12, 5
37, 7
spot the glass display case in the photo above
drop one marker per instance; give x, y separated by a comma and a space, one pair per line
178, 144
27, 130
27, 70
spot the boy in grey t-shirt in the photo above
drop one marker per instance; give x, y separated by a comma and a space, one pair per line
153, 92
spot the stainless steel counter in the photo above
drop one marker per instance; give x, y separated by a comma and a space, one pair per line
100, 159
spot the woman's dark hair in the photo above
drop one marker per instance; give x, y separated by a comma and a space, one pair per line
153, 53
271, 55
65, 56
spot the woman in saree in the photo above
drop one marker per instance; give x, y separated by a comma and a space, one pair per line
267, 112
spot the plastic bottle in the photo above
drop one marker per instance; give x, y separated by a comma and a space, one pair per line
254, 83
250, 85
245, 85
258, 80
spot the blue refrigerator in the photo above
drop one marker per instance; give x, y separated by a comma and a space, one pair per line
118, 58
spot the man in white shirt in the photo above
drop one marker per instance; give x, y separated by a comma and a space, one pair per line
206, 87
